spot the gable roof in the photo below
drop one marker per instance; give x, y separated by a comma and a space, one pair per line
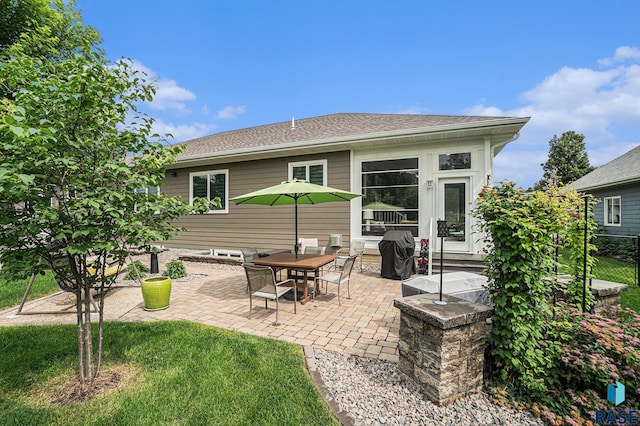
338, 131
624, 169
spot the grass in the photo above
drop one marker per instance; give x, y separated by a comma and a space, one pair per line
11, 292
181, 373
613, 270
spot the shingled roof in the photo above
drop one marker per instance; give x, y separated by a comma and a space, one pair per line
337, 132
624, 169
319, 128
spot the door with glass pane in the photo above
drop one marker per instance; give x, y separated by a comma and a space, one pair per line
454, 208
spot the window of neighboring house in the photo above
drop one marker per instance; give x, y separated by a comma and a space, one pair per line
151, 190
209, 185
612, 211
390, 196
454, 161
313, 171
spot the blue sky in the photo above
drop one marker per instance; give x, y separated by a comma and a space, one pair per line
225, 65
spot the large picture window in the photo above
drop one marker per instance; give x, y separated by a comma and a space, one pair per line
390, 196
209, 185
612, 211
312, 171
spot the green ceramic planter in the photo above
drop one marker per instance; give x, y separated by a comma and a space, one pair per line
156, 292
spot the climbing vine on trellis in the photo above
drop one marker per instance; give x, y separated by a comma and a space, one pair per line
519, 229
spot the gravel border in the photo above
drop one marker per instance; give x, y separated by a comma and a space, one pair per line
366, 391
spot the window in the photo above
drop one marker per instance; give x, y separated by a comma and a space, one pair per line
152, 190
612, 211
390, 196
455, 161
209, 185
313, 171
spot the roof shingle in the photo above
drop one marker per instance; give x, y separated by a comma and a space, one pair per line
319, 128
623, 169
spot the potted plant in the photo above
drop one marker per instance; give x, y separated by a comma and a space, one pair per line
156, 292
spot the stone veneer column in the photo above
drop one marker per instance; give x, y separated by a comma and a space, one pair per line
606, 293
442, 347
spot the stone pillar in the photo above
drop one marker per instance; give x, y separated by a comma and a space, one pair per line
606, 294
442, 347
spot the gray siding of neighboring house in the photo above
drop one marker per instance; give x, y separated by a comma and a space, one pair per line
263, 227
630, 209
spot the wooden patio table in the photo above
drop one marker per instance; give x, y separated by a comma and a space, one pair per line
304, 263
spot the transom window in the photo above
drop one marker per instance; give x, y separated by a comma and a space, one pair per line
454, 161
313, 171
209, 185
390, 196
612, 211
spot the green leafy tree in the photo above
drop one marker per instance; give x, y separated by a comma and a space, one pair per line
568, 160
68, 179
19, 16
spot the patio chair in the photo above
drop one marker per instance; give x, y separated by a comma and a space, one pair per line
248, 254
299, 275
261, 281
356, 248
307, 242
339, 277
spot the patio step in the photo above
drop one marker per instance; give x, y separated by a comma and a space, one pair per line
452, 262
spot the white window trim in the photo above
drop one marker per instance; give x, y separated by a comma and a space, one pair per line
608, 200
226, 188
322, 163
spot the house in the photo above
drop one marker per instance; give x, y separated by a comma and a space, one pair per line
410, 169
616, 186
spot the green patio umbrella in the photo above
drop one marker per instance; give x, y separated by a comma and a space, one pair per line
294, 192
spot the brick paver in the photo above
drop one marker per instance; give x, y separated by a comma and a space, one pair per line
367, 324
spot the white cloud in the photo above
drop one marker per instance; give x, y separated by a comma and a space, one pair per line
603, 105
183, 132
622, 54
230, 112
169, 95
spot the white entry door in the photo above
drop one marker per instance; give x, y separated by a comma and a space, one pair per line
453, 206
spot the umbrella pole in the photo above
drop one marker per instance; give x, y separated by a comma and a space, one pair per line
296, 225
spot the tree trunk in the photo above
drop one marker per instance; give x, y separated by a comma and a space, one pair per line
83, 377
88, 345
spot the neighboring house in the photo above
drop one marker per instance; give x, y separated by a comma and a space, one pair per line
616, 186
410, 169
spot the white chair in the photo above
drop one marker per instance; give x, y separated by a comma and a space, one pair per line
262, 283
307, 242
339, 277
356, 248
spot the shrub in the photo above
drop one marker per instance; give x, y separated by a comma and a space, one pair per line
131, 272
175, 269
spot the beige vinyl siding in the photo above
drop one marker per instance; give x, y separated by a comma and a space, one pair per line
263, 227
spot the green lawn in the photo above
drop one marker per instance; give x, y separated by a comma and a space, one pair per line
180, 373
11, 292
616, 271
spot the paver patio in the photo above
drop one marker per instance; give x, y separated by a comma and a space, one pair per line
367, 324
